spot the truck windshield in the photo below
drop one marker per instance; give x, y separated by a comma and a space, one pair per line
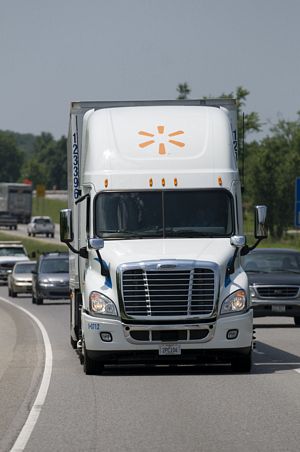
166, 214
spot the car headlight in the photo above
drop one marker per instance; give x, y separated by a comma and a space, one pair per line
100, 304
236, 302
45, 283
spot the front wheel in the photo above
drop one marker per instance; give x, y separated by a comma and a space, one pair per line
297, 321
39, 300
90, 366
242, 363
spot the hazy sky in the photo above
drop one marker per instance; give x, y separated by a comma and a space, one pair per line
57, 51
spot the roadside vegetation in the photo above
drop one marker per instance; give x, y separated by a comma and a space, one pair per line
34, 247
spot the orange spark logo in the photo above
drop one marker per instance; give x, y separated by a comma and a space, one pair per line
161, 138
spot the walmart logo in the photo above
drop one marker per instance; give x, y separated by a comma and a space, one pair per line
161, 139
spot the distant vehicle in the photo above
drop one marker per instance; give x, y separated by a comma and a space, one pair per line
50, 279
274, 279
20, 280
16, 200
41, 226
10, 253
8, 221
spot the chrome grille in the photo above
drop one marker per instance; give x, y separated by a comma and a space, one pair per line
179, 292
278, 291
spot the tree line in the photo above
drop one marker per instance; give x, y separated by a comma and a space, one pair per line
269, 166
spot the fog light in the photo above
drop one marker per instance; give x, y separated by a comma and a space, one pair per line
232, 334
106, 337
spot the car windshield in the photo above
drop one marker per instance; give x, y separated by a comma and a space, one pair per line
170, 213
55, 266
25, 267
12, 251
268, 262
42, 221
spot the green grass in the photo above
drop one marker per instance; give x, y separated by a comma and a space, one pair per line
49, 207
33, 246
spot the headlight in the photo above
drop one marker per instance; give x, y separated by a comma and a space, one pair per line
100, 304
236, 302
45, 283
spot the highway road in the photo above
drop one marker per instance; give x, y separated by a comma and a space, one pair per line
138, 409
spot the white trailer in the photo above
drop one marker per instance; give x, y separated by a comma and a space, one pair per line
155, 229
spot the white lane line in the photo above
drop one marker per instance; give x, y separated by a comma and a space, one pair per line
35, 411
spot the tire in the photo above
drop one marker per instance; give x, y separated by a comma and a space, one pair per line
52, 236
242, 363
39, 300
13, 294
9, 292
297, 321
73, 343
90, 366
29, 234
33, 299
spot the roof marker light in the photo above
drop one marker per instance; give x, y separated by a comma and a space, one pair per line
106, 183
151, 182
220, 182
175, 182
163, 182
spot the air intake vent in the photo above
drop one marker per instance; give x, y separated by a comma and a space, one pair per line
168, 292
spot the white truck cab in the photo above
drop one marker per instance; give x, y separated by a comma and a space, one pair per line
155, 230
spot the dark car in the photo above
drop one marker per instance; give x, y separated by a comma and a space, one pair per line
274, 279
50, 280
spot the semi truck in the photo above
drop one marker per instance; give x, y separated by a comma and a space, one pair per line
155, 231
16, 200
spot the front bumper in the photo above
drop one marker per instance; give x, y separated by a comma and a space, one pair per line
22, 287
276, 307
53, 293
125, 345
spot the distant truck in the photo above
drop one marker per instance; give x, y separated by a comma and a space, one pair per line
155, 229
16, 200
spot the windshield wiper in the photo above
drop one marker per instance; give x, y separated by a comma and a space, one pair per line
187, 233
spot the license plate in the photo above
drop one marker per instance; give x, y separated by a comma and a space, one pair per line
170, 349
276, 308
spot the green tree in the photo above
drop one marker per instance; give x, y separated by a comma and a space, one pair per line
184, 90
11, 159
48, 162
274, 165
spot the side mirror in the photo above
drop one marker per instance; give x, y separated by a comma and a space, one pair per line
66, 227
238, 240
260, 230
96, 244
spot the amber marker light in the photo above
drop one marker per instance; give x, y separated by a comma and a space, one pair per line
106, 183
151, 182
163, 182
175, 182
220, 182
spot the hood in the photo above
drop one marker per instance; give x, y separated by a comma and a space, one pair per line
12, 259
118, 252
274, 278
55, 277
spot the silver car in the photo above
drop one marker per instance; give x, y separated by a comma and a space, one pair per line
41, 226
20, 280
